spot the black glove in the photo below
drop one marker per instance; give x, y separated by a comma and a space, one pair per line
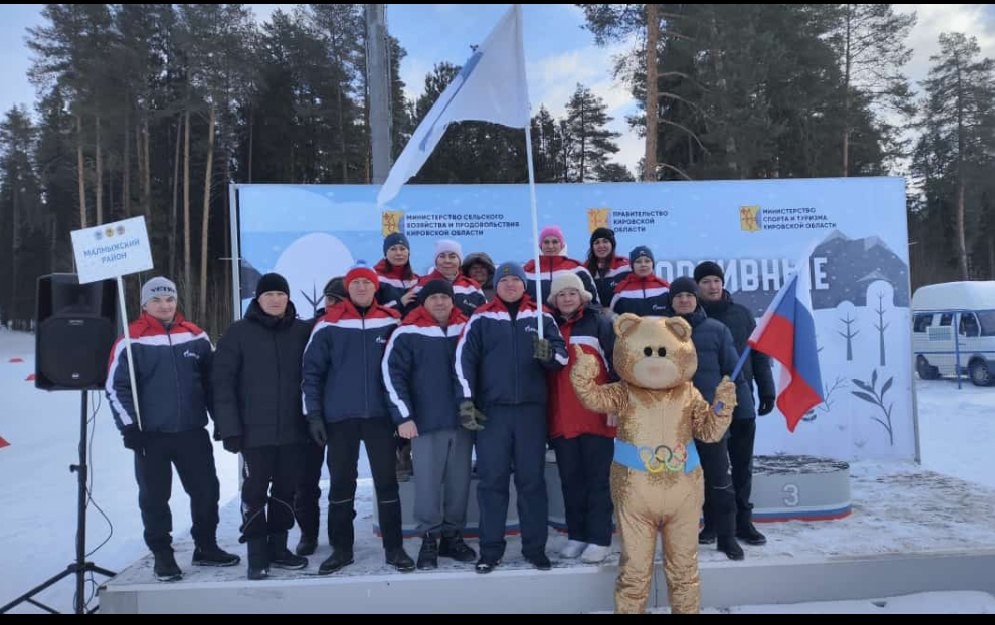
232, 444
316, 428
470, 417
542, 350
766, 405
133, 438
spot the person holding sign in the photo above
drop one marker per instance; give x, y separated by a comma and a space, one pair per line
172, 373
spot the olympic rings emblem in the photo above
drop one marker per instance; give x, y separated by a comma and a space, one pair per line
663, 458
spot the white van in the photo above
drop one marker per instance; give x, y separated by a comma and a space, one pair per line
953, 324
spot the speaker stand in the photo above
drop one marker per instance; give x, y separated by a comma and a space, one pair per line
80, 567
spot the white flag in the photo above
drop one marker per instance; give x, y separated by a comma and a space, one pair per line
491, 87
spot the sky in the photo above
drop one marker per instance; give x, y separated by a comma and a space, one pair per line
943, 506
559, 52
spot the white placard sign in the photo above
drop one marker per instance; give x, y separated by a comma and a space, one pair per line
112, 250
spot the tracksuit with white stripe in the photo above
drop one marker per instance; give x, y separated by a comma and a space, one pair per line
552, 266
496, 370
647, 296
420, 375
466, 292
172, 372
343, 386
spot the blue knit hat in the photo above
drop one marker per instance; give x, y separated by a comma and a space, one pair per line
640, 251
509, 269
393, 239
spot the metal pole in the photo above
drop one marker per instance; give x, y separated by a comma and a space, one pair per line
378, 85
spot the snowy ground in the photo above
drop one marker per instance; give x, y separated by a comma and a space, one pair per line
938, 508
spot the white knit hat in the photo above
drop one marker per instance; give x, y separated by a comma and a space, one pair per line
567, 281
448, 245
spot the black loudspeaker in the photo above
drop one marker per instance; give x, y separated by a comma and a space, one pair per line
75, 331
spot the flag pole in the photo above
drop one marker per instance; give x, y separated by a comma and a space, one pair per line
532, 196
740, 363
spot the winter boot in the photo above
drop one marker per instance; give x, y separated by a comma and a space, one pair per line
749, 534
165, 567
428, 555
707, 535
400, 560
339, 559
258, 558
729, 546
453, 546
307, 545
281, 557
212, 555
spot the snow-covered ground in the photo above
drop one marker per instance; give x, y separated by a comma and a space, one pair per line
38, 495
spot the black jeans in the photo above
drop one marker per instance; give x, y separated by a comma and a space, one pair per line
742, 433
309, 492
720, 499
584, 464
193, 456
343, 456
269, 477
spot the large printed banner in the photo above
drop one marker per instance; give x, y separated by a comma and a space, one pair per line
756, 230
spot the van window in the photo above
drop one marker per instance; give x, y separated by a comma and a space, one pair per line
987, 319
922, 321
947, 319
969, 325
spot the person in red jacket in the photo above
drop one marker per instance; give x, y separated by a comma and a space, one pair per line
582, 440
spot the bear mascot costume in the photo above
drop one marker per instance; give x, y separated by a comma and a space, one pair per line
656, 479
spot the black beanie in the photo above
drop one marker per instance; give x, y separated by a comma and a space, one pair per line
603, 233
684, 284
272, 282
638, 252
708, 268
393, 239
434, 287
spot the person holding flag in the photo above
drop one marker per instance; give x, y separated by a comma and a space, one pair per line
719, 305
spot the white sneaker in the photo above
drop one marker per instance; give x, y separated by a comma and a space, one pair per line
572, 549
594, 554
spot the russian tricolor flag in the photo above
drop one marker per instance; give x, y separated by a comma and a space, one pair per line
786, 333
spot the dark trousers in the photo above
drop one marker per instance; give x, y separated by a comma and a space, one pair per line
584, 464
269, 476
720, 499
343, 456
193, 456
514, 435
742, 433
309, 492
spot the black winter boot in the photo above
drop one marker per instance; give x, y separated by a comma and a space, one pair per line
339, 559
307, 545
281, 557
707, 535
453, 546
165, 567
400, 560
212, 555
258, 558
428, 555
749, 534
729, 546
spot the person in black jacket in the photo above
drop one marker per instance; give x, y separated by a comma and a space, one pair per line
716, 358
345, 403
420, 375
257, 406
172, 372
308, 492
718, 304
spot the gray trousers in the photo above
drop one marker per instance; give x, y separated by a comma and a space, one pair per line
441, 462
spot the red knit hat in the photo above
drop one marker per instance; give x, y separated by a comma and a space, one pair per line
362, 270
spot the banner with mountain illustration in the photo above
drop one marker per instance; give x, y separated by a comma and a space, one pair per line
754, 229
